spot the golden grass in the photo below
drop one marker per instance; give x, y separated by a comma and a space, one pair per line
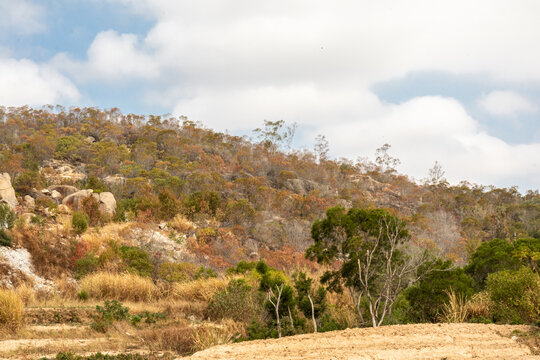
121, 287
181, 224
455, 310
26, 293
198, 290
211, 335
11, 310
479, 305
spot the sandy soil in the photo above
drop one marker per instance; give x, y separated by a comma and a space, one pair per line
419, 341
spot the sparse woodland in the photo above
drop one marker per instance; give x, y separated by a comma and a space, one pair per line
210, 238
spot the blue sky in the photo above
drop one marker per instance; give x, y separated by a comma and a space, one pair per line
454, 82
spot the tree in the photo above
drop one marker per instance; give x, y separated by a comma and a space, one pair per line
377, 262
312, 303
384, 160
436, 175
274, 135
322, 147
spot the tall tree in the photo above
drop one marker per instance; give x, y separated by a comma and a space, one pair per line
372, 247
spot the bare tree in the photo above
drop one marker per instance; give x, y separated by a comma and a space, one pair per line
275, 304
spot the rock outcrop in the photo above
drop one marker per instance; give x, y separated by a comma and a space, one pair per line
61, 172
106, 200
7, 193
64, 190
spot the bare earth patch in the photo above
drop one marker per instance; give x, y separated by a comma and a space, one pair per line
419, 341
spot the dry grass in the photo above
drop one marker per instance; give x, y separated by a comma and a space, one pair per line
210, 335
455, 310
11, 310
479, 306
181, 224
26, 293
177, 337
198, 290
121, 287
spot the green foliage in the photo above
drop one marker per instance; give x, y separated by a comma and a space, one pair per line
240, 212
5, 238
79, 222
82, 295
238, 302
515, 295
86, 265
303, 286
95, 184
242, 267
427, 297
136, 261
490, 257
7, 216
169, 204
112, 311
66, 148
528, 252
27, 181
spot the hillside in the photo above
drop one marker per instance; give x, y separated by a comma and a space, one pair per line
252, 197
420, 341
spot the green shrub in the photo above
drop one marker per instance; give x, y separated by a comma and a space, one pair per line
515, 295
86, 265
7, 216
490, 257
112, 311
96, 184
136, 261
182, 272
82, 295
5, 238
238, 302
427, 297
79, 222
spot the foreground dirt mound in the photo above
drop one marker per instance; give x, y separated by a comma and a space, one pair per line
420, 341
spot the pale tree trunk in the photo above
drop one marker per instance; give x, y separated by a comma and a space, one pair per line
312, 314
276, 304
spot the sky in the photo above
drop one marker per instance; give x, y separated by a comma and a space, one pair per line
457, 82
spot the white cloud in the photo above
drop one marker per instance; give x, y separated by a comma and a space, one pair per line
505, 103
21, 16
233, 64
111, 57
24, 82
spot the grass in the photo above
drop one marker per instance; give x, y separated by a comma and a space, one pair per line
479, 306
198, 290
11, 310
455, 310
123, 287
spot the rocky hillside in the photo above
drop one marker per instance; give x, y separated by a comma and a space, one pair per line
189, 193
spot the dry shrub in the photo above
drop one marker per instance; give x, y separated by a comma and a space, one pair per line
51, 255
198, 290
181, 224
210, 335
455, 310
121, 287
11, 310
479, 306
178, 338
26, 293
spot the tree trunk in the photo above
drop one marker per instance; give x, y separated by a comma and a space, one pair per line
312, 314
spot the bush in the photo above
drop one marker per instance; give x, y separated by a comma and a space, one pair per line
79, 222
427, 297
119, 286
107, 314
7, 216
136, 261
237, 302
490, 257
86, 265
11, 310
5, 239
515, 295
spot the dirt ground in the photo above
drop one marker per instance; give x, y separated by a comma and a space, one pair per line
419, 341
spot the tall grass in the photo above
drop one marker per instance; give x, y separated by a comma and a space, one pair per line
198, 290
11, 310
121, 287
212, 335
454, 311
480, 306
